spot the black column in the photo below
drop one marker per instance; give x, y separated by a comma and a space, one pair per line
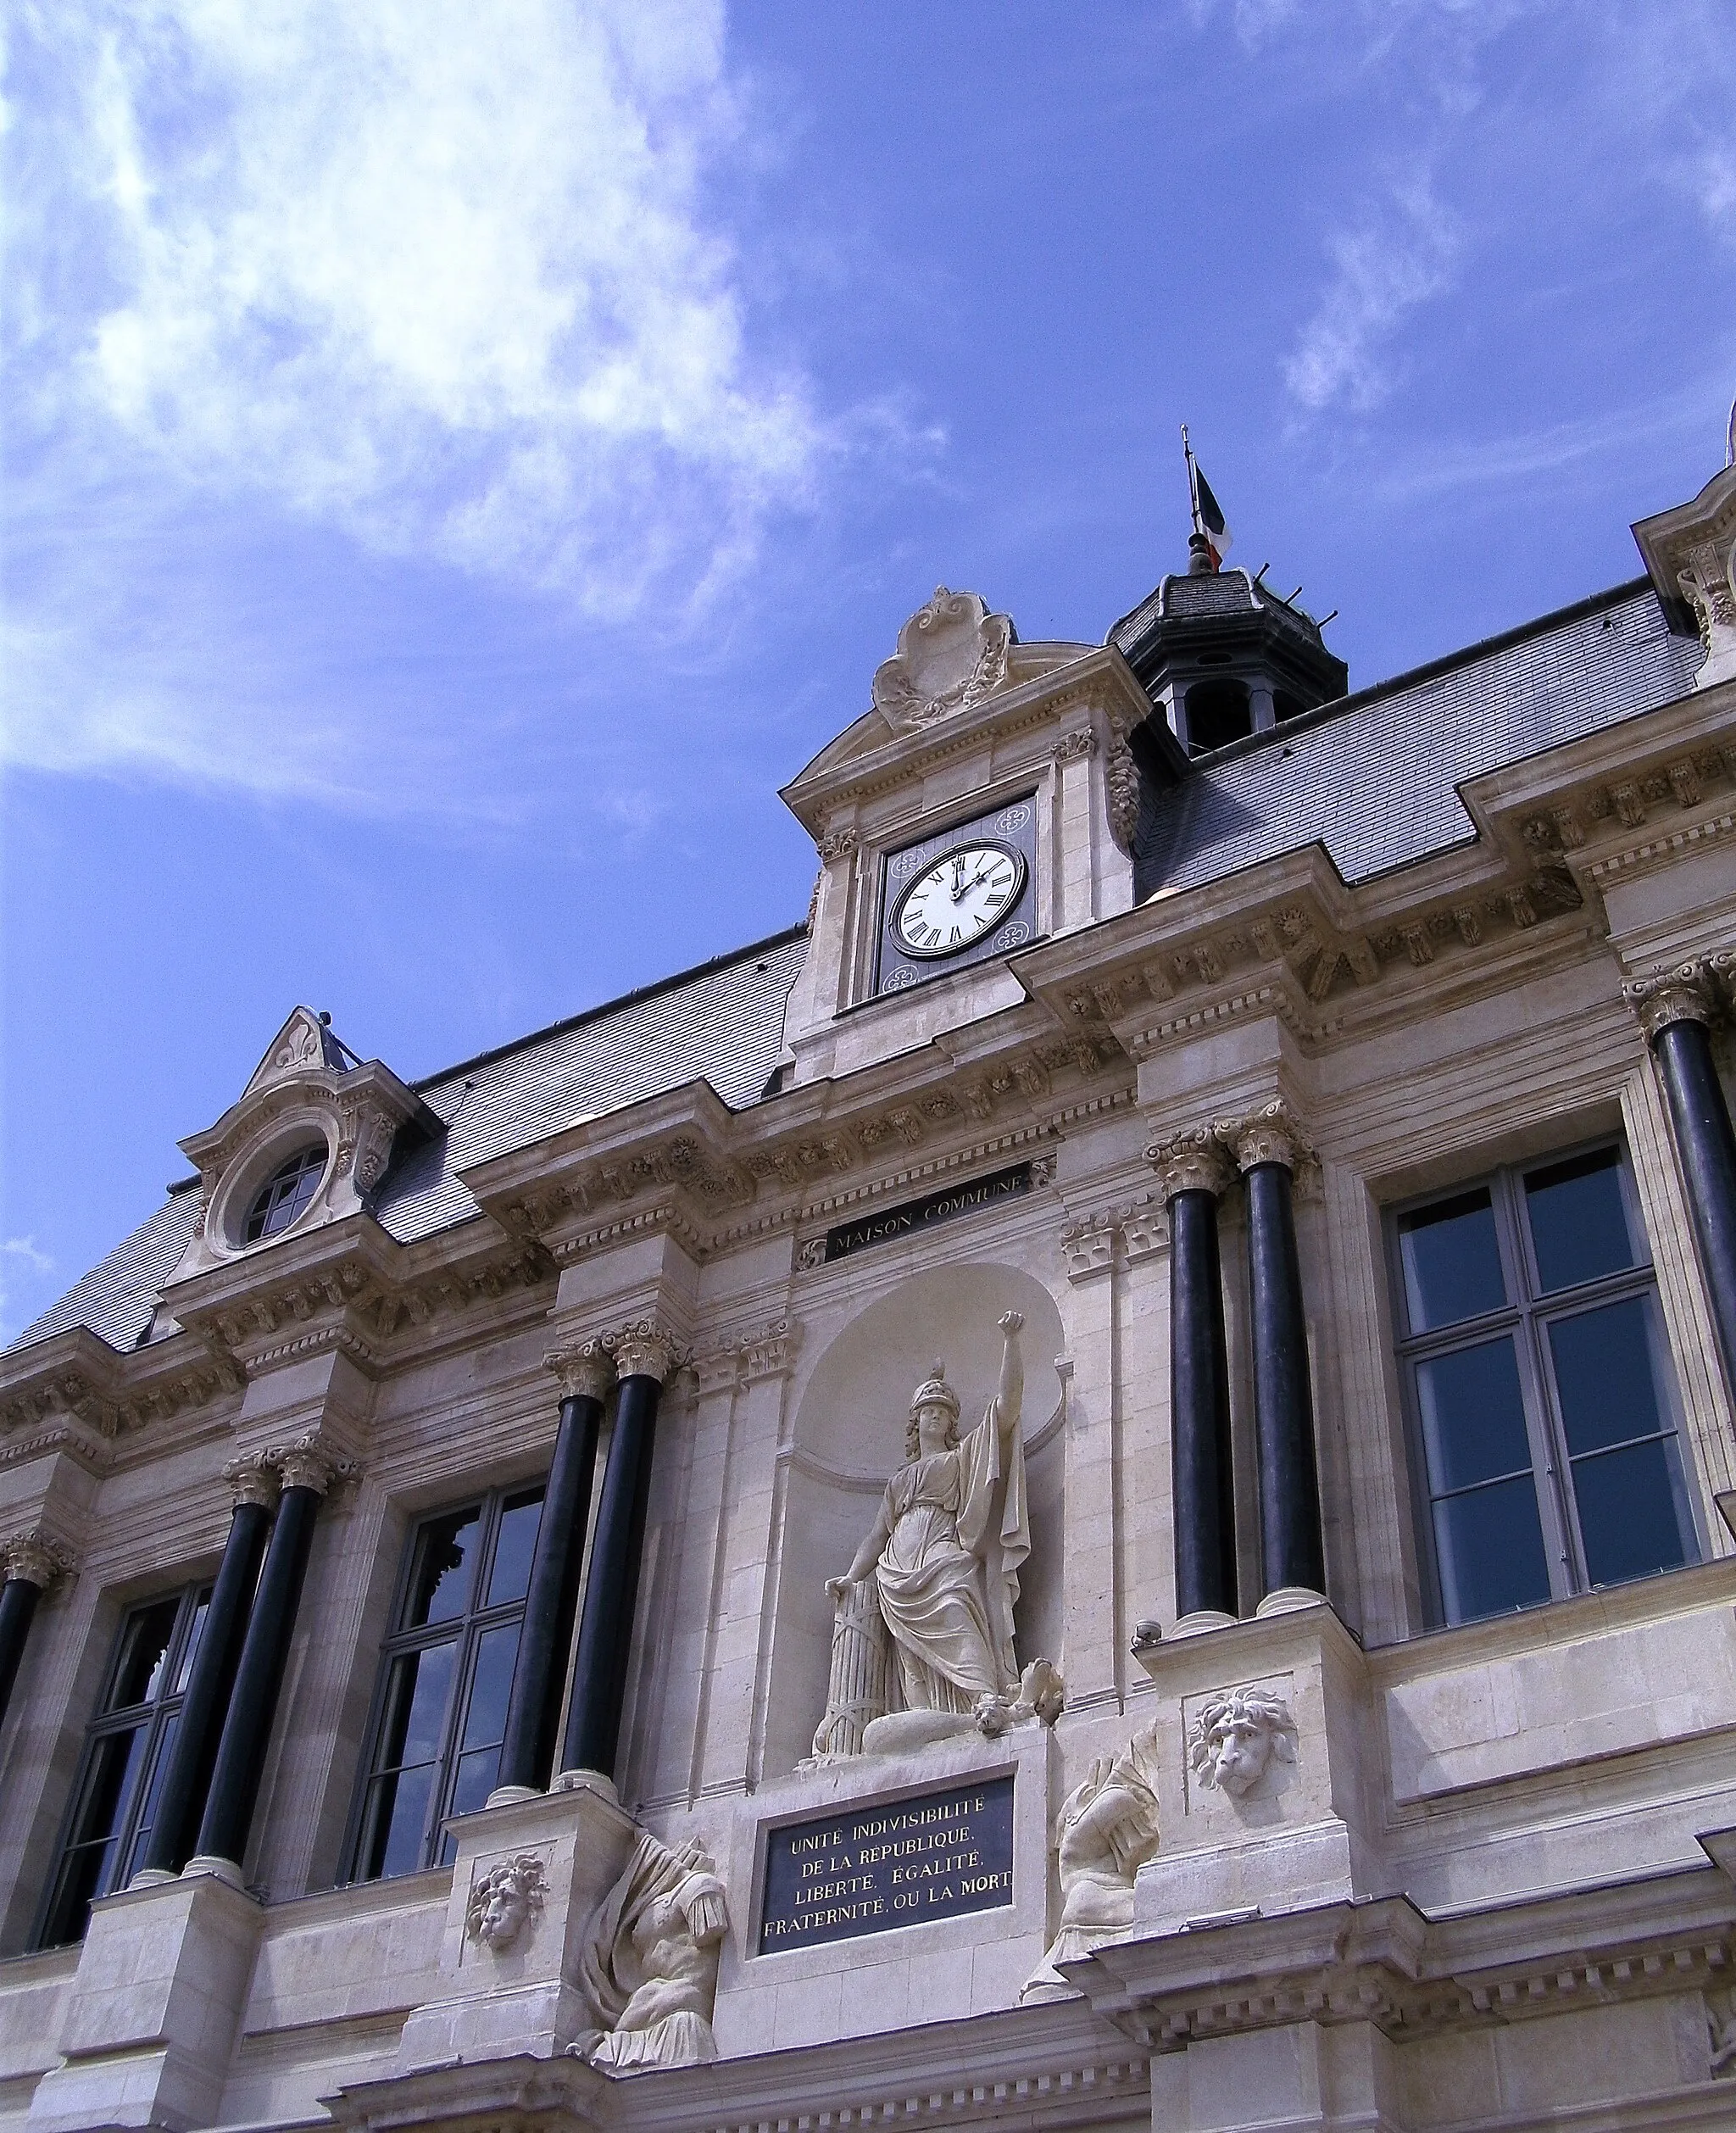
247, 1729
1202, 1479
1290, 1545
611, 1589
552, 1599
200, 1725
1707, 1147
18, 1606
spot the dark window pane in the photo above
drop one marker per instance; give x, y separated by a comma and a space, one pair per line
284, 1194
476, 1773
1452, 1261
1632, 1518
1578, 1224
490, 1685
144, 1648
1473, 1418
511, 1576
109, 1780
83, 1874
1489, 1542
190, 1651
445, 1551
152, 1781
1603, 1376
416, 1706
392, 1829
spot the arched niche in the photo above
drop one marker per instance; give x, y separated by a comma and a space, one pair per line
849, 1435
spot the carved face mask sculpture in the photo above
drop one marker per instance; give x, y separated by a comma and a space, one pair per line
1237, 1735
501, 1901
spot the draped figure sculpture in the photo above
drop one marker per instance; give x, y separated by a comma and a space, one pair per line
939, 1575
649, 1965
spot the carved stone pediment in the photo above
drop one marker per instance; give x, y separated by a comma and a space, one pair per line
952, 654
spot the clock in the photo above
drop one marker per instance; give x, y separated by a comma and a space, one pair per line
958, 899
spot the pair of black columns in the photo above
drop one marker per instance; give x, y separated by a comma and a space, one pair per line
212, 1782
1195, 1170
29, 1565
1676, 1010
638, 1361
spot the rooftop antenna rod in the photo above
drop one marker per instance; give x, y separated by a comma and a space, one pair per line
1730, 438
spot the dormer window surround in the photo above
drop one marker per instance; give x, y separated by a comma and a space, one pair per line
307, 1143
282, 1199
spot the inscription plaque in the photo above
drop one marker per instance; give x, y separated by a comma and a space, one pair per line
945, 1205
902, 1863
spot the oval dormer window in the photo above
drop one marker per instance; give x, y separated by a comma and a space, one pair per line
285, 1194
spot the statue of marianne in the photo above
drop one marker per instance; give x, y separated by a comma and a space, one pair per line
945, 1549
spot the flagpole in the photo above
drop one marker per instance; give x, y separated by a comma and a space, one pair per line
1193, 487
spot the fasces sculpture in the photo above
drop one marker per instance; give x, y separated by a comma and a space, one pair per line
1237, 1736
1106, 1831
649, 1966
929, 1597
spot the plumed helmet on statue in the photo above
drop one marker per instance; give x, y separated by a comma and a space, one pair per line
934, 1392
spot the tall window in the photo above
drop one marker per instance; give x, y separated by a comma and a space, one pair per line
1539, 1387
446, 1674
125, 1759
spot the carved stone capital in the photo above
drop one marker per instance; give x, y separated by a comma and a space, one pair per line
836, 843
1074, 748
644, 1349
34, 1558
252, 1479
584, 1369
1268, 1135
1190, 1162
305, 1464
1683, 995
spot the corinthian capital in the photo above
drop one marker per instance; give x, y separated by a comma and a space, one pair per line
35, 1558
1193, 1161
1683, 995
252, 1479
584, 1369
305, 1464
644, 1349
1268, 1135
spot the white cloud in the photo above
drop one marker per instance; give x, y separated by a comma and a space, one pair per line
20, 1256
1402, 254
437, 273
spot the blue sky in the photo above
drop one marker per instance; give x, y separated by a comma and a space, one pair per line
464, 454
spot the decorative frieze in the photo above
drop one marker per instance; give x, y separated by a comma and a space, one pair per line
1089, 1243
36, 1557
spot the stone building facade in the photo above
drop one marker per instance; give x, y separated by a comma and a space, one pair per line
1095, 1488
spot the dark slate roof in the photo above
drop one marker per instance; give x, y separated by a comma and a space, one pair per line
1207, 596
1374, 776
723, 1022
116, 1299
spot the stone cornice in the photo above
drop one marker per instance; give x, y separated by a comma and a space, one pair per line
74, 1393
682, 1164
1384, 1962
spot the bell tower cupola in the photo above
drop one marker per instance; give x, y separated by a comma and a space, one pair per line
1219, 654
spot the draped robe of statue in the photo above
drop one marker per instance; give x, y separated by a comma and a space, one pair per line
958, 1529
649, 1966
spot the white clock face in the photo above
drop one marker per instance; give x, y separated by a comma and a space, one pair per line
962, 895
